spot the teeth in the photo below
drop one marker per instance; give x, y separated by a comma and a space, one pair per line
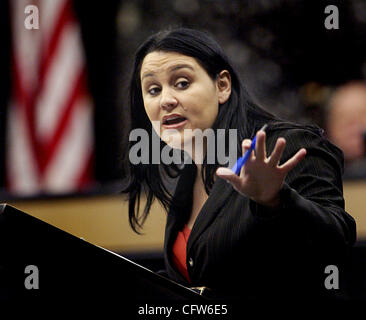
173, 118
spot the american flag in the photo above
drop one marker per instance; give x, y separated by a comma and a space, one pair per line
50, 119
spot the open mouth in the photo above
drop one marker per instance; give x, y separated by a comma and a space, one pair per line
173, 120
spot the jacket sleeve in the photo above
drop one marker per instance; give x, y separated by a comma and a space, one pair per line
312, 194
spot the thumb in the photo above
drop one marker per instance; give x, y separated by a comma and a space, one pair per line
228, 175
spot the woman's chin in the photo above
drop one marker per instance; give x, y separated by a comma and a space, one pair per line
175, 140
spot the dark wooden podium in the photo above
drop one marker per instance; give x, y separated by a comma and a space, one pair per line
72, 270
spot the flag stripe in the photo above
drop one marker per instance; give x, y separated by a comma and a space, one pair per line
21, 98
73, 150
63, 18
50, 130
51, 99
64, 120
21, 170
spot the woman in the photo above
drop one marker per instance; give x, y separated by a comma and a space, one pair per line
267, 233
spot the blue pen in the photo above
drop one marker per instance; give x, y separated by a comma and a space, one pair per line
242, 160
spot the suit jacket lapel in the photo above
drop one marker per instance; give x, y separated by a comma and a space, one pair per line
216, 200
181, 208
178, 214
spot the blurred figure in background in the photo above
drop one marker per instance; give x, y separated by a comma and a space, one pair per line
346, 125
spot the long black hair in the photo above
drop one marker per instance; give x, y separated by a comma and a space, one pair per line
238, 112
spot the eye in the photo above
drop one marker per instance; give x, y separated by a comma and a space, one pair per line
182, 84
153, 91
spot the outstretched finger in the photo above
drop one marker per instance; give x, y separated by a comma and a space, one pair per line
245, 145
294, 161
277, 152
260, 146
229, 176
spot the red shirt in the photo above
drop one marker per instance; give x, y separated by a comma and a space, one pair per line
180, 251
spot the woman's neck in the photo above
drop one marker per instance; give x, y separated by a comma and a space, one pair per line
199, 181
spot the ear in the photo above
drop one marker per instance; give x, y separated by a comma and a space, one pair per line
224, 86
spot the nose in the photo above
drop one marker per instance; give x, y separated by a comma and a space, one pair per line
168, 101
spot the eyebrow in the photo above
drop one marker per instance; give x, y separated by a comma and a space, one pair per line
171, 69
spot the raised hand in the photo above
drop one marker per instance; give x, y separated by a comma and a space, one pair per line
261, 178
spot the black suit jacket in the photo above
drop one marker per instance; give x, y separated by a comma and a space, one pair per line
240, 249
